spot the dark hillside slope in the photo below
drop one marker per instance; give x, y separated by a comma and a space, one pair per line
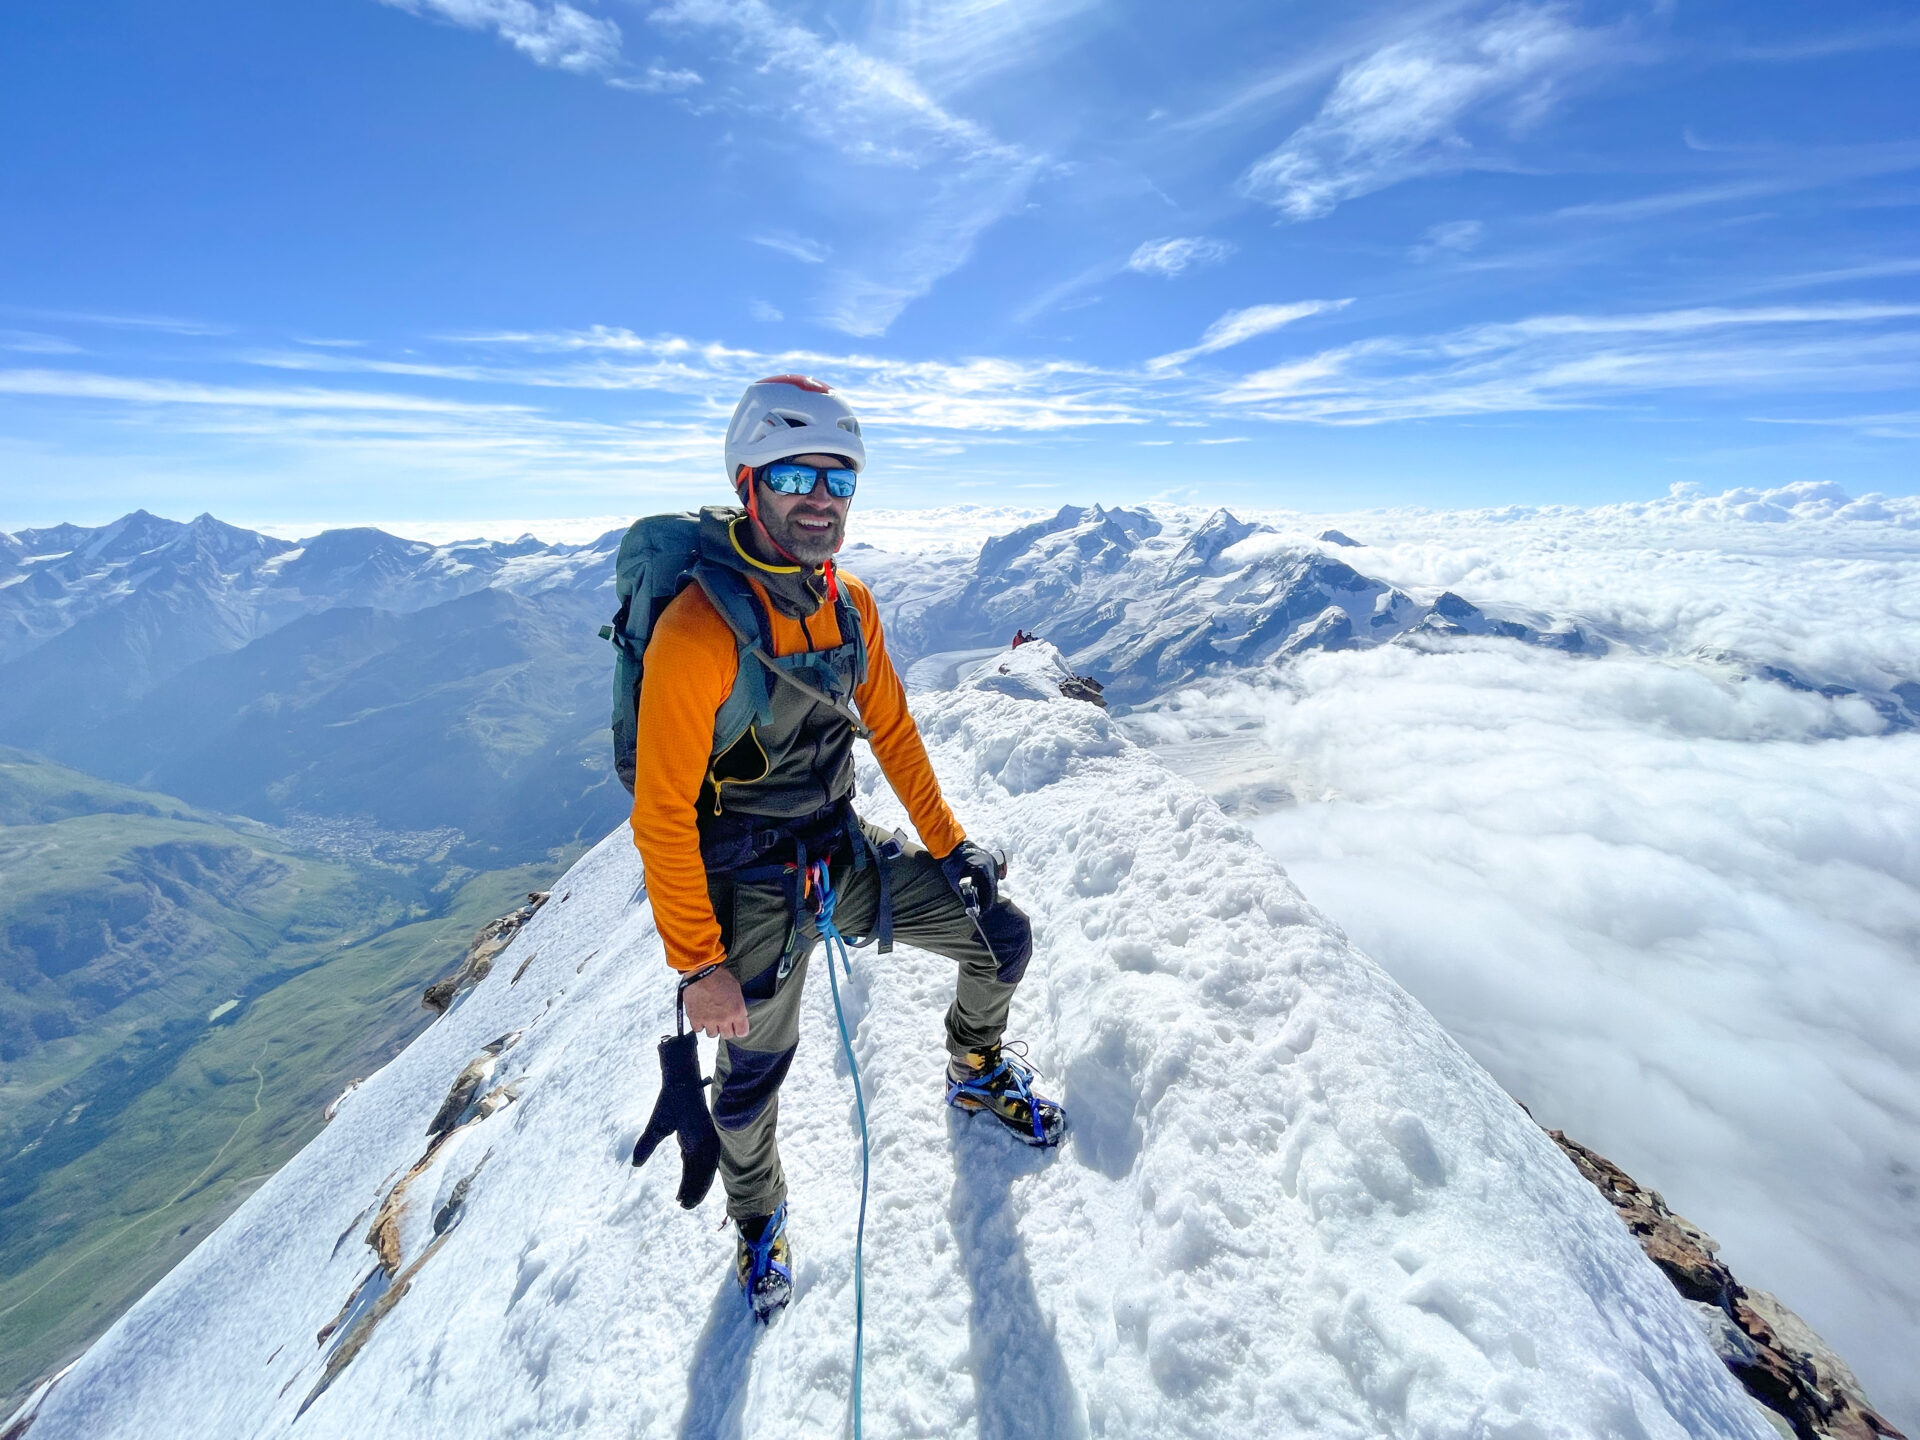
35, 791
486, 713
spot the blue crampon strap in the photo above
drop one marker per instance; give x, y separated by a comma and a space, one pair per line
824, 899
761, 1250
1020, 1080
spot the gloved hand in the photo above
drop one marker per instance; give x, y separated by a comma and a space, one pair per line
682, 1110
974, 862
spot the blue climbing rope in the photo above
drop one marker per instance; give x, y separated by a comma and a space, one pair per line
830, 933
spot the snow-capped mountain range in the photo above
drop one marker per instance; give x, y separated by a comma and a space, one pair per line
456, 685
1291, 1206
355, 674
1144, 604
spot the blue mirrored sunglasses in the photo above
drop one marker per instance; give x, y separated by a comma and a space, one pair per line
786, 478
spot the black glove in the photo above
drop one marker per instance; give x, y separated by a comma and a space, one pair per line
682, 1110
972, 862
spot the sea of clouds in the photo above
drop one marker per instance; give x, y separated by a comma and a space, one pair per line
1672, 907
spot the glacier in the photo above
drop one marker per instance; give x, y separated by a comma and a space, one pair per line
1291, 1204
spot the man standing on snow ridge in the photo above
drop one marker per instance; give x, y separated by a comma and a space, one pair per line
728, 835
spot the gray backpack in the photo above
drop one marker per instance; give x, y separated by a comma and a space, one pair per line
661, 555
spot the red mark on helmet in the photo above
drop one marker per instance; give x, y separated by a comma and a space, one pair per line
803, 382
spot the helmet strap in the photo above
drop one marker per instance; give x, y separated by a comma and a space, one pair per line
751, 494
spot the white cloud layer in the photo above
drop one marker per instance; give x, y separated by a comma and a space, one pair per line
556, 34
1673, 910
1662, 918
1803, 576
1396, 113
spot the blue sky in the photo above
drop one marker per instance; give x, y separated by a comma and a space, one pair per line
436, 260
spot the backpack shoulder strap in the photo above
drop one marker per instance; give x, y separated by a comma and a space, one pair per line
736, 603
749, 701
852, 632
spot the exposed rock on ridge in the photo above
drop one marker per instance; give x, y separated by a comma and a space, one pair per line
1774, 1353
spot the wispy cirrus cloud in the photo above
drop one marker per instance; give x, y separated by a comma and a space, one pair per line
1177, 255
864, 105
588, 403
1450, 237
158, 324
946, 178
1771, 170
953, 45
951, 179
139, 390
659, 79
1568, 361
411, 433
1304, 67
1397, 113
553, 34
1238, 326
976, 396
32, 342
803, 248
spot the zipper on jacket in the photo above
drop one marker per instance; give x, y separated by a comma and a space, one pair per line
766, 767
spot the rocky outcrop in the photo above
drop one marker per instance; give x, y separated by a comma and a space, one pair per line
1084, 687
396, 1231
1806, 1390
494, 937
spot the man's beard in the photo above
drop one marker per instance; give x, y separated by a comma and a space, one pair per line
809, 547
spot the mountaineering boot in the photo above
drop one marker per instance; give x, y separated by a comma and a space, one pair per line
763, 1263
996, 1083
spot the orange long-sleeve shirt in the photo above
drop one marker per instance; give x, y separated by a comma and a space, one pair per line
691, 662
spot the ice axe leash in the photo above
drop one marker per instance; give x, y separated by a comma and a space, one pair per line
1020, 1077
824, 901
970, 897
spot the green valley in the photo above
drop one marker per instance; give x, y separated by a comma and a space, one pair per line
181, 993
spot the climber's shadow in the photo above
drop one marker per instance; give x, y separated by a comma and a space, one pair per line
1020, 1378
717, 1379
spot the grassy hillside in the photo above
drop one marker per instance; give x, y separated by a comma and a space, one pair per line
180, 995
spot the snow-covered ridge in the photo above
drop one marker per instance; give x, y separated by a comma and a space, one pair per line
1291, 1206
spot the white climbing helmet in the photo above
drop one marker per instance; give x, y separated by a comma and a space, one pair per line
786, 415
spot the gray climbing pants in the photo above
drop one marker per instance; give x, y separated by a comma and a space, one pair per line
760, 928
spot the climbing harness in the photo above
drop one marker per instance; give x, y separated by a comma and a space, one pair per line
824, 901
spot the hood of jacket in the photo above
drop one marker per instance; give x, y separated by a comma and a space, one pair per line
796, 591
